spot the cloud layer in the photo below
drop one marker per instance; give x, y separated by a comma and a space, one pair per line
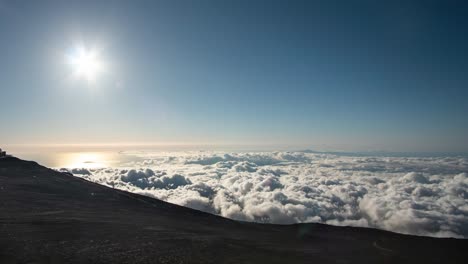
412, 195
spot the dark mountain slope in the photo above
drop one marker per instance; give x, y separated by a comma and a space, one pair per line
52, 217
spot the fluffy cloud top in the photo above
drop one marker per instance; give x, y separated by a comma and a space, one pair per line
80, 171
421, 196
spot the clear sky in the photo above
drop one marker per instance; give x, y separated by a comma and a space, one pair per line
360, 75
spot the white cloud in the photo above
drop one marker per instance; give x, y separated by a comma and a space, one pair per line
80, 171
413, 195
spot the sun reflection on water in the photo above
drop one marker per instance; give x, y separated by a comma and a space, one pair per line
72, 158
88, 160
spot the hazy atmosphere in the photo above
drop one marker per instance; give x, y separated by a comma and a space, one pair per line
355, 76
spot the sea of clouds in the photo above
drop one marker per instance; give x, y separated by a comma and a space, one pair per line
413, 195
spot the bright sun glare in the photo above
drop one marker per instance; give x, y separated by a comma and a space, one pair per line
85, 63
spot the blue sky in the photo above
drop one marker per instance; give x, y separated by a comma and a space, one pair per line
355, 75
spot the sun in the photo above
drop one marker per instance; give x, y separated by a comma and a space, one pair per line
85, 63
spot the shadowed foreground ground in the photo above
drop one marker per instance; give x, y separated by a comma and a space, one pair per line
52, 217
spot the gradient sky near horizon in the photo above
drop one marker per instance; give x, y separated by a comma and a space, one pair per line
356, 75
